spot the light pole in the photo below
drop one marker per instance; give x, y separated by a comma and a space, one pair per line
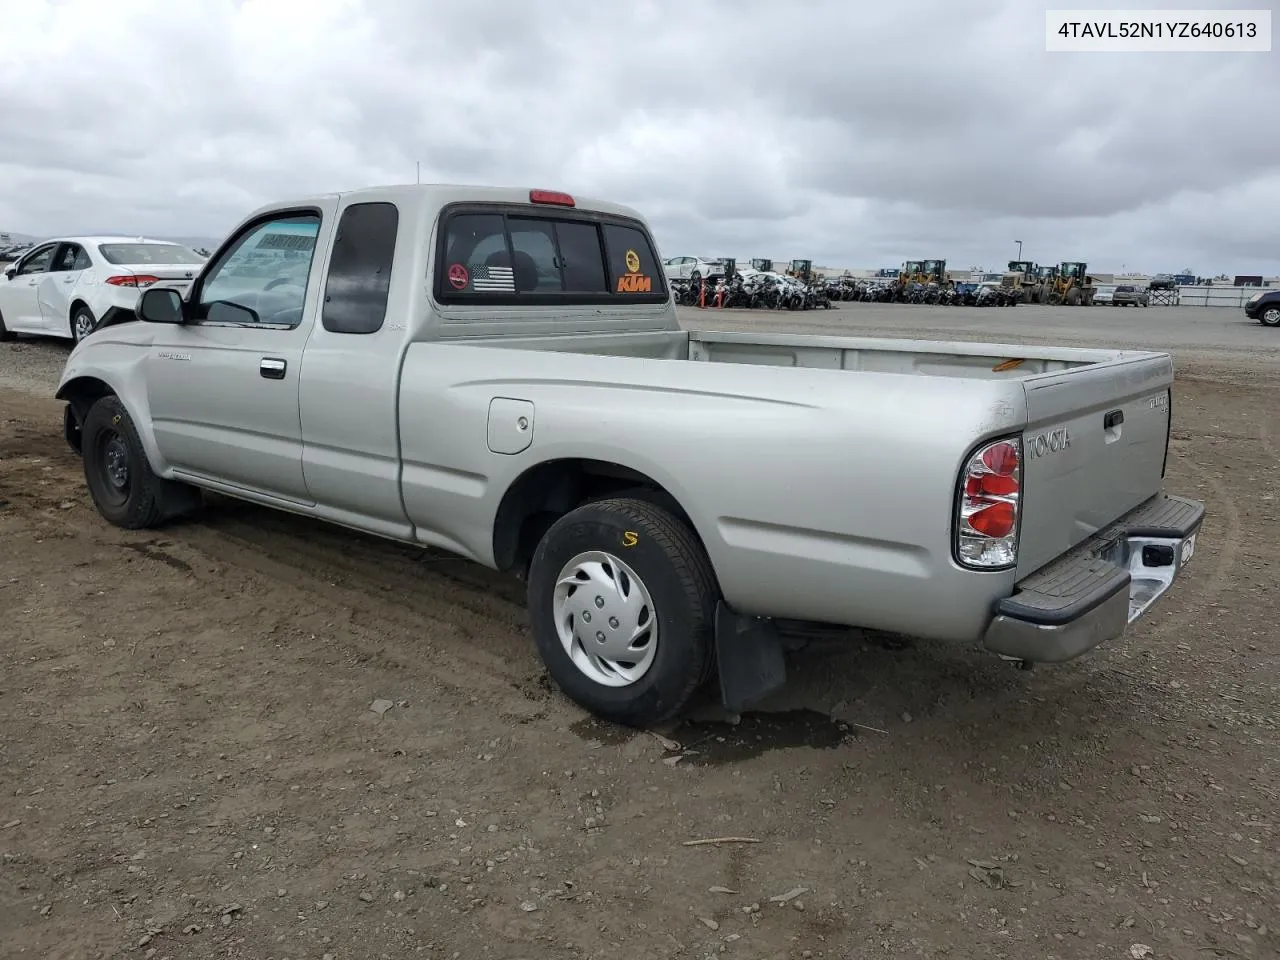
1019, 243
419, 165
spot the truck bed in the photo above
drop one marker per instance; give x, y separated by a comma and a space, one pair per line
1061, 395
935, 358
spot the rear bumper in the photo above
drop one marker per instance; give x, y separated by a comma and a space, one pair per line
1092, 593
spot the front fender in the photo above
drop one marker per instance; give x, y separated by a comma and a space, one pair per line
94, 370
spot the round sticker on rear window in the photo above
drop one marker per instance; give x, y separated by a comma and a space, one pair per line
458, 276
633, 261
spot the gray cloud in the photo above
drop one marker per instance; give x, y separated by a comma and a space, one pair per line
850, 134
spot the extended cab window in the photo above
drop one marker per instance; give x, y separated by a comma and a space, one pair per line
493, 257
633, 269
359, 282
264, 271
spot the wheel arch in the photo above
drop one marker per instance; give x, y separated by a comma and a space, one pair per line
84, 390
548, 490
81, 393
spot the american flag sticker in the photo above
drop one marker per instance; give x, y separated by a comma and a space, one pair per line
487, 279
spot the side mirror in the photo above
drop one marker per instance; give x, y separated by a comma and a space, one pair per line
162, 305
11, 272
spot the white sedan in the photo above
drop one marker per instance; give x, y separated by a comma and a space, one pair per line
692, 268
66, 287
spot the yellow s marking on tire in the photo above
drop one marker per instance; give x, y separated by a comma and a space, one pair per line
115, 420
629, 538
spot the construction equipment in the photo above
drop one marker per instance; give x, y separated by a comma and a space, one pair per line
802, 270
1071, 284
764, 266
1025, 278
923, 271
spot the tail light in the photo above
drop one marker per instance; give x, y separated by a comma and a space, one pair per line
130, 280
987, 511
554, 197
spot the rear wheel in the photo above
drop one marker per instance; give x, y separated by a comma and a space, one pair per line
82, 322
1270, 317
622, 599
124, 488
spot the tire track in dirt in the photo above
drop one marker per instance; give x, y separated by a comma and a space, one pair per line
1228, 551
1264, 435
476, 643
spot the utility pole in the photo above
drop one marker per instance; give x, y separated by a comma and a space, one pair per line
419, 171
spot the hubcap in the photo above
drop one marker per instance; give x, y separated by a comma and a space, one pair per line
116, 463
84, 325
1272, 316
605, 619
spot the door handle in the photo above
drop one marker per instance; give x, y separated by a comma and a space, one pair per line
68, 279
272, 368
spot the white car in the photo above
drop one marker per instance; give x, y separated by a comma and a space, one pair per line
67, 286
692, 268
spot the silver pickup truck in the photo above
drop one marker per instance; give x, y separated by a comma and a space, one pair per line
501, 374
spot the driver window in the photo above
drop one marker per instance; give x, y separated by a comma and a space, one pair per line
38, 262
266, 270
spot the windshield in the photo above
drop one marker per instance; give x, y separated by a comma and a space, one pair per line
148, 253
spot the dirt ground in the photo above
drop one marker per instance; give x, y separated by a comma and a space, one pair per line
190, 768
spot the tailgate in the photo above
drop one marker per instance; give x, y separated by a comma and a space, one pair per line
1093, 449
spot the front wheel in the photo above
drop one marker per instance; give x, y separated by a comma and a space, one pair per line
622, 598
124, 488
1270, 317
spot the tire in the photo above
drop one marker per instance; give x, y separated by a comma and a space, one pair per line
658, 557
5, 334
82, 323
124, 488
1270, 316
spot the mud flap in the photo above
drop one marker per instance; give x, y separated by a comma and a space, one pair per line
749, 656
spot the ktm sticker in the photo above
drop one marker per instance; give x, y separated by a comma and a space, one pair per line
458, 276
633, 261
629, 538
635, 283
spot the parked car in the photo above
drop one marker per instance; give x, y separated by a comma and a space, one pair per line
1264, 307
67, 286
1130, 296
671, 498
1103, 294
693, 268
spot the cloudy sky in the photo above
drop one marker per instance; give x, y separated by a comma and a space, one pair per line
853, 134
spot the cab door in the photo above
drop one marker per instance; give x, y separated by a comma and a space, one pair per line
223, 388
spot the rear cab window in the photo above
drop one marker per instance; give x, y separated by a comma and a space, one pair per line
512, 254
